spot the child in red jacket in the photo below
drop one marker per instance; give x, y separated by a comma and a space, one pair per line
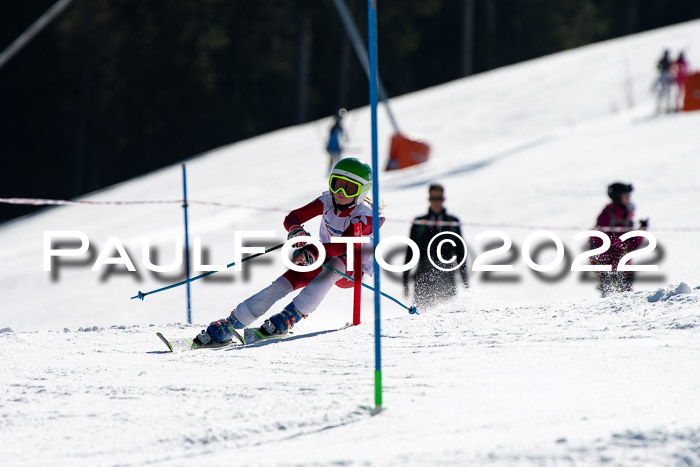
340, 208
616, 219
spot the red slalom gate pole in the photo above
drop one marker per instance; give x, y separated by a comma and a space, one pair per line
357, 267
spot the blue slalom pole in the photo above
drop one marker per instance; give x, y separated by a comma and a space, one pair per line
372, 44
142, 295
187, 245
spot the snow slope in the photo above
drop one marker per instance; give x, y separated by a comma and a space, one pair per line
522, 368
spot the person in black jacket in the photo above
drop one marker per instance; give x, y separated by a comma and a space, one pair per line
432, 285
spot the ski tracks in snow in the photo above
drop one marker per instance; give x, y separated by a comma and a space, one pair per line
581, 382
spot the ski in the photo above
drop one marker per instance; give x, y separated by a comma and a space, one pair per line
253, 335
250, 336
180, 344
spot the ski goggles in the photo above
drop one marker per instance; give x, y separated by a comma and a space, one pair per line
350, 188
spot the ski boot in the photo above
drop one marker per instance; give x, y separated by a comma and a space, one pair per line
219, 332
282, 322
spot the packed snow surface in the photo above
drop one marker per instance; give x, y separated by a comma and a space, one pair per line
523, 368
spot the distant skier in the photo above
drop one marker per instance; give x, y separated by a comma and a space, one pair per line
616, 219
680, 71
336, 139
340, 208
663, 83
431, 284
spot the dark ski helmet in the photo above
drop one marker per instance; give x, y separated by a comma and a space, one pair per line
616, 190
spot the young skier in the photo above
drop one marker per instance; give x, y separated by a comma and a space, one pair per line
340, 208
616, 219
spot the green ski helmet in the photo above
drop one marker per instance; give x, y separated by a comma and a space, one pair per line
353, 177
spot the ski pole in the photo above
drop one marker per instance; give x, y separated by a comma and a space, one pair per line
142, 295
411, 309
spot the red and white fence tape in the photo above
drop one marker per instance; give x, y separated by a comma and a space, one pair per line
61, 202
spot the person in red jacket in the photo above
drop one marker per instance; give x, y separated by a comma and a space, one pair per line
616, 219
680, 68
